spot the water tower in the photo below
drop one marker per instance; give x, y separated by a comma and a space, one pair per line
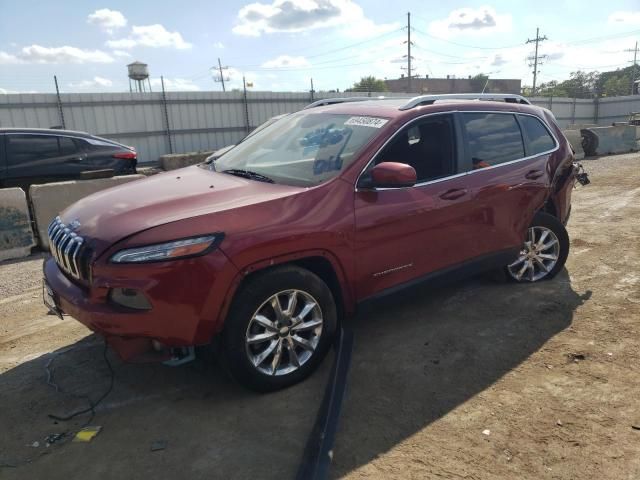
138, 72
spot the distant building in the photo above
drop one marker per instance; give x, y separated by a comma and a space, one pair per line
451, 84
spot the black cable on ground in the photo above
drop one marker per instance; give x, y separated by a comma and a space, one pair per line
91, 408
92, 405
318, 453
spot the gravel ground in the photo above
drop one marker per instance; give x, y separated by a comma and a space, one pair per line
476, 380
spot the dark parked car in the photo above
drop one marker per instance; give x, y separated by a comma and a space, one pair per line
34, 155
267, 247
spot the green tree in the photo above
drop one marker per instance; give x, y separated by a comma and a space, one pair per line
551, 89
369, 84
581, 84
617, 82
478, 82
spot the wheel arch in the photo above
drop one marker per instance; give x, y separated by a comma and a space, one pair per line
320, 262
550, 207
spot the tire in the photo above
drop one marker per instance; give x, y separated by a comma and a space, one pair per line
302, 337
538, 260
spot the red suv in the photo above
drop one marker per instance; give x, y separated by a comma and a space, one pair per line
265, 248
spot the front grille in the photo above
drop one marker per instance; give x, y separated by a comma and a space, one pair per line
67, 249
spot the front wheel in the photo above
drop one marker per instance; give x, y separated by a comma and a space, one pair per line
544, 252
279, 328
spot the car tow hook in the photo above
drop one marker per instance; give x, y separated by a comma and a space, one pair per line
180, 356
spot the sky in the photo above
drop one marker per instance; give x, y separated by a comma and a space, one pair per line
279, 45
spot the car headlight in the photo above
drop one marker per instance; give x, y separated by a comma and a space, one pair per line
187, 247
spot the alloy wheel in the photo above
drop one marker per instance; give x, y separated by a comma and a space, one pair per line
538, 256
284, 332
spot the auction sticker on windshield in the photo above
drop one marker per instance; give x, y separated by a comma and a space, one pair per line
366, 122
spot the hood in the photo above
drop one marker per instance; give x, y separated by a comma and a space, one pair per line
113, 214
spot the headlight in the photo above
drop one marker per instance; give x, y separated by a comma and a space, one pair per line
187, 247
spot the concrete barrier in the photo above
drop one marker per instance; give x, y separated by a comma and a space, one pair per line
178, 160
16, 237
608, 140
50, 199
575, 139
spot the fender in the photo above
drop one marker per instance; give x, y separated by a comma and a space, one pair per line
209, 329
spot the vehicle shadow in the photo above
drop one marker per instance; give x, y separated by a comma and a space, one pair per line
418, 357
210, 426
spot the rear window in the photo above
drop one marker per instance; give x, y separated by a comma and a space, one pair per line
95, 144
539, 139
67, 146
493, 138
28, 148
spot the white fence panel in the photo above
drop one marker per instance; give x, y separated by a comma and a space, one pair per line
200, 121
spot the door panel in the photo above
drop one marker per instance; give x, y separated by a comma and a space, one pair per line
507, 187
505, 201
42, 158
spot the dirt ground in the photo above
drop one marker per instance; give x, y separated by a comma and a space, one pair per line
475, 380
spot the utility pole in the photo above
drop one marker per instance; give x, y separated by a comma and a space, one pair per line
633, 70
312, 91
64, 126
536, 58
409, 52
221, 77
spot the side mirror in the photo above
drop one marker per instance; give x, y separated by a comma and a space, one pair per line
393, 175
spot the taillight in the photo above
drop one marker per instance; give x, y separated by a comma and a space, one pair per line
126, 155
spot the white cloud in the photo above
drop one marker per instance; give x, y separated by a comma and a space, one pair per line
484, 19
65, 54
8, 58
622, 17
291, 16
175, 84
96, 82
153, 36
284, 61
219, 45
4, 91
107, 20
121, 53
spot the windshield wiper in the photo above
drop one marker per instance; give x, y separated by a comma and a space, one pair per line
249, 174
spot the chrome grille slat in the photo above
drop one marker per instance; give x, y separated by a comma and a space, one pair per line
65, 247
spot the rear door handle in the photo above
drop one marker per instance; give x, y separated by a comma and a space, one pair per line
534, 174
454, 193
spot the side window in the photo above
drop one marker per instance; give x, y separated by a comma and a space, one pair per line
67, 146
538, 137
428, 146
493, 138
28, 148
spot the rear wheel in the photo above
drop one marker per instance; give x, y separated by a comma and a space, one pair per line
544, 252
279, 328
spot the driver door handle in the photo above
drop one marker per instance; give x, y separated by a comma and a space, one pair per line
454, 193
534, 174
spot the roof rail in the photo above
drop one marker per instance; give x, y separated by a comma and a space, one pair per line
430, 99
331, 101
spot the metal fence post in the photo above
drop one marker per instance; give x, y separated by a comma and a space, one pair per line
246, 105
64, 126
573, 111
166, 115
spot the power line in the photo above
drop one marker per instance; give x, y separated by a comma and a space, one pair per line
328, 52
537, 41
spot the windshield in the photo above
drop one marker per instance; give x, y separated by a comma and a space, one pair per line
303, 149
